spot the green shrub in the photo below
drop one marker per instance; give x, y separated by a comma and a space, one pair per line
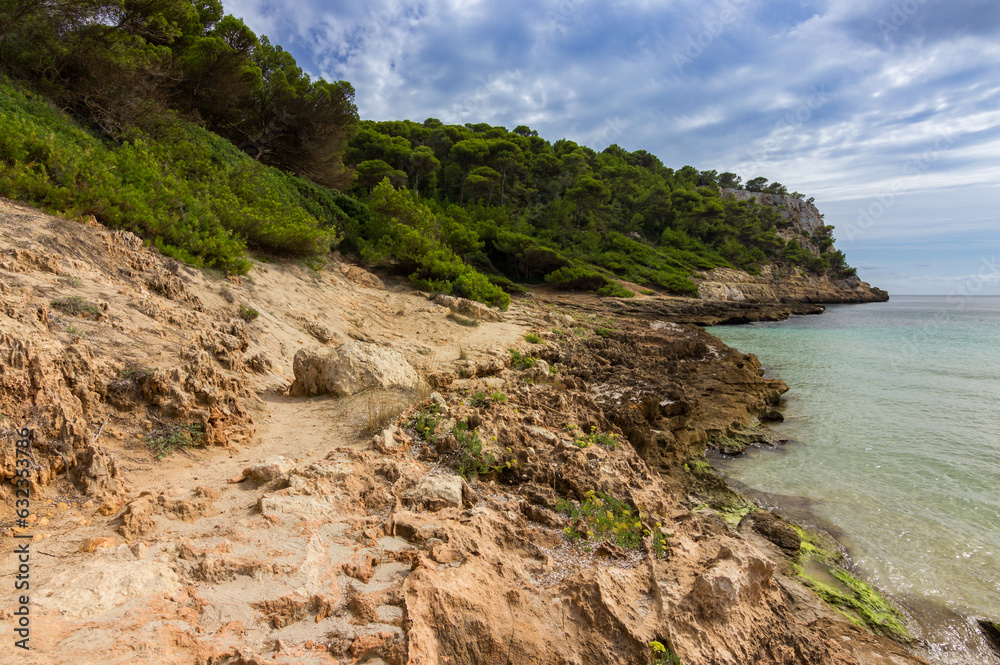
606, 517
248, 314
518, 361
615, 290
577, 278
533, 338
76, 306
170, 438
193, 194
594, 437
406, 232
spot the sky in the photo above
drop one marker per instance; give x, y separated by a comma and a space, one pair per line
887, 112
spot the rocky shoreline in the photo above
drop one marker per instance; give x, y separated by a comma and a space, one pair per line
549, 502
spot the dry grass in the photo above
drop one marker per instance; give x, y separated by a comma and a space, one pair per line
381, 407
463, 321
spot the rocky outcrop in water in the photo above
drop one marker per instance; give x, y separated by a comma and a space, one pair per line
781, 284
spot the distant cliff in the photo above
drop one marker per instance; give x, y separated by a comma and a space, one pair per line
778, 283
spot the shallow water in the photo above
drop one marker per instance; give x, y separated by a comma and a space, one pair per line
893, 411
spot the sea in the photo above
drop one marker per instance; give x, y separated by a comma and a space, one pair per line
892, 430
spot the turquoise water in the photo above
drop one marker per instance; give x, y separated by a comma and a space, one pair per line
893, 412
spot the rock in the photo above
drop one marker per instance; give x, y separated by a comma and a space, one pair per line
542, 515
610, 550
350, 369
776, 530
467, 307
385, 441
991, 630
772, 416
137, 520
542, 433
319, 331
303, 507
564, 320
105, 583
437, 492
91, 545
271, 469
360, 276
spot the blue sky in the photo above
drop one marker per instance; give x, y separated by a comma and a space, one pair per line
886, 111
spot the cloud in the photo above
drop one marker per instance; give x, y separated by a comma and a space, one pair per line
819, 95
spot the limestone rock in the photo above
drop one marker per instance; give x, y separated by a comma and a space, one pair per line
467, 307
349, 369
776, 530
137, 520
360, 276
437, 492
271, 469
104, 584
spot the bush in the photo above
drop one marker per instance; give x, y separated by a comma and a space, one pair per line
577, 278
192, 193
606, 517
407, 232
248, 314
615, 290
76, 306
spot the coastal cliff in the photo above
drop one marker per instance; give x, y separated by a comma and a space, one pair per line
785, 285
775, 283
548, 502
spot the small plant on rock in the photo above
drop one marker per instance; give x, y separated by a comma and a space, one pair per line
605, 517
176, 436
474, 461
129, 380
248, 314
662, 655
533, 338
76, 306
482, 400
600, 438
425, 422
519, 361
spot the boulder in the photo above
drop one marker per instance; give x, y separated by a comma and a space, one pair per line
269, 470
350, 369
776, 530
467, 307
991, 630
437, 492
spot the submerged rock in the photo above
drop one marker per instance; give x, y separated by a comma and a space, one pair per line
991, 630
775, 529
